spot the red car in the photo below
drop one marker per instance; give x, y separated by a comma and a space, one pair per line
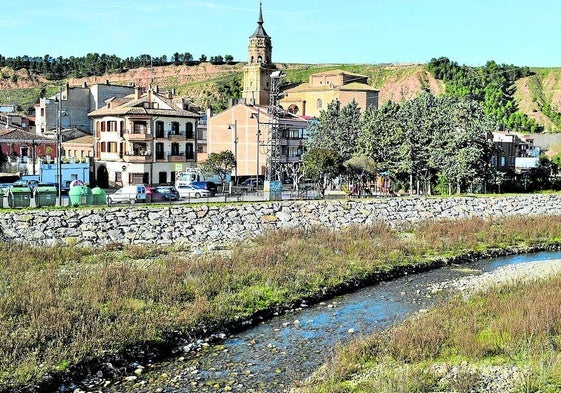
152, 195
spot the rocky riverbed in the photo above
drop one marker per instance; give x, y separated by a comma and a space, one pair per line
271, 356
504, 275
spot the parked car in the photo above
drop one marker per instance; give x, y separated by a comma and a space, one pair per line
26, 183
206, 185
168, 193
128, 194
189, 191
152, 195
252, 182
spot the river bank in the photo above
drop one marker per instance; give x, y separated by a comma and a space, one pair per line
138, 305
510, 325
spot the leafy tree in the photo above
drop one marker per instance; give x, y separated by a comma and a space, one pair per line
228, 59
361, 169
219, 164
202, 59
418, 120
337, 129
322, 165
379, 137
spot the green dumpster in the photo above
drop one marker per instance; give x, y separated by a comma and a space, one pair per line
99, 196
45, 195
19, 197
80, 195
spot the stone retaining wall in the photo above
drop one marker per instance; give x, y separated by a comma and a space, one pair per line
220, 224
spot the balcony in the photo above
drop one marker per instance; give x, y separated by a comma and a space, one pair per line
137, 137
289, 159
141, 158
175, 136
291, 142
180, 157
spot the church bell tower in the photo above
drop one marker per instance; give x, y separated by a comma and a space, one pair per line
257, 72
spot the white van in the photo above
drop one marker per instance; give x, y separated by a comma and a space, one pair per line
128, 194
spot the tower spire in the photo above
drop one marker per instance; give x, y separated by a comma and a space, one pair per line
259, 66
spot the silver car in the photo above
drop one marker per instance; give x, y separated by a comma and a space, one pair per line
189, 191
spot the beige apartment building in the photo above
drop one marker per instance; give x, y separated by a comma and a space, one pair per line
144, 138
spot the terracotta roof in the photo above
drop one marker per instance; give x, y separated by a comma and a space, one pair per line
356, 86
16, 134
136, 107
86, 139
338, 72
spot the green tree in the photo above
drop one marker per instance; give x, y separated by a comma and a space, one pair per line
337, 129
322, 166
219, 164
379, 137
361, 169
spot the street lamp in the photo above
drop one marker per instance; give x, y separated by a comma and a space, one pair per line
59, 146
255, 115
235, 126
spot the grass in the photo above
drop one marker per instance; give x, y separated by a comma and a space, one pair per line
60, 307
515, 326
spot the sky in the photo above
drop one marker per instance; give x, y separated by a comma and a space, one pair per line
470, 32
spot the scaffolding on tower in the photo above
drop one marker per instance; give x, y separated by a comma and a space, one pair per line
274, 170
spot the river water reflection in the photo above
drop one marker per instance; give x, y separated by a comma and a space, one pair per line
288, 348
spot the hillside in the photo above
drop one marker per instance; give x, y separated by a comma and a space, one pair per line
396, 82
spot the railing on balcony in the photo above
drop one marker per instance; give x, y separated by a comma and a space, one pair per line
286, 159
181, 157
137, 137
138, 157
291, 142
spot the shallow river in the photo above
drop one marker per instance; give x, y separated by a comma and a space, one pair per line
272, 356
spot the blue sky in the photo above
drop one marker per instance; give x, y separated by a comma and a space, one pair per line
519, 32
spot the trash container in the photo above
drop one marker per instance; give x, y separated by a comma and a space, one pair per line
99, 196
80, 195
19, 197
45, 196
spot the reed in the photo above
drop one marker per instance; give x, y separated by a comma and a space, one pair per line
62, 306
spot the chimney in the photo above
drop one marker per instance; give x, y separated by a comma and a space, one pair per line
107, 81
84, 85
137, 92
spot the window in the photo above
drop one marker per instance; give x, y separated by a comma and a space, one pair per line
319, 103
139, 127
160, 129
175, 149
112, 125
159, 151
189, 152
175, 128
137, 178
189, 130
112, 147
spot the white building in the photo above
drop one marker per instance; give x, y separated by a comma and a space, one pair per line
144, 138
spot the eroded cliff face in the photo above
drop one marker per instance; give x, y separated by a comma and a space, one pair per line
396, 82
